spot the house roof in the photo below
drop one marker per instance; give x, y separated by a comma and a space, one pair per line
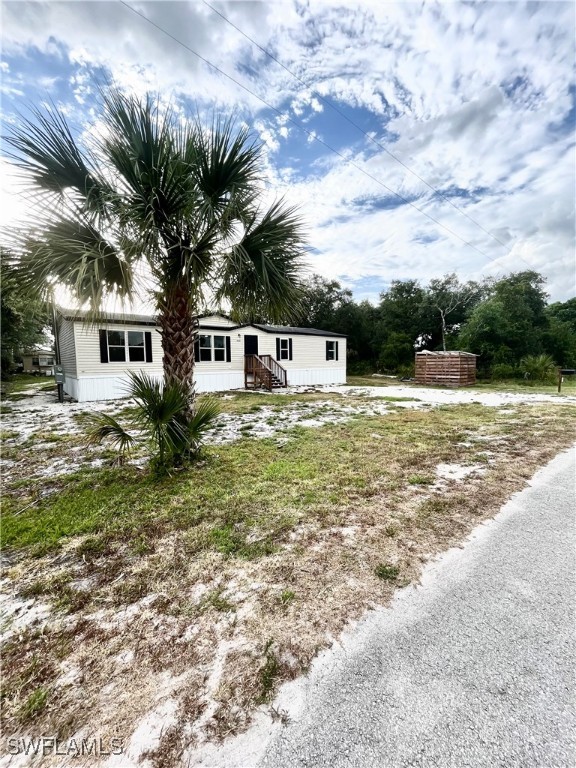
132, 319
38, 351
296, 331
107, 317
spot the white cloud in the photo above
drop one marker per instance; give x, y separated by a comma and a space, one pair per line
471, 90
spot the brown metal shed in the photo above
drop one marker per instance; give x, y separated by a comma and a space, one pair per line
449, 369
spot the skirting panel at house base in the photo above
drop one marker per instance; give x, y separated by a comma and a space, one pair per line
303, 376
91, 388
218, 382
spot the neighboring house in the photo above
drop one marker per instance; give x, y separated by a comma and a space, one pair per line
97, 356
38, 360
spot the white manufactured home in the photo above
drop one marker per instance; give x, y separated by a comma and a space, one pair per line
97, 356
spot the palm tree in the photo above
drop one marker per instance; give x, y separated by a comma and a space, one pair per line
146, 188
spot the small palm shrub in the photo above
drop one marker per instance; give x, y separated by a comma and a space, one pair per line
162, 418
539, 368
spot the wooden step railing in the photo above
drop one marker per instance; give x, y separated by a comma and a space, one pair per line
277, 371
265, 372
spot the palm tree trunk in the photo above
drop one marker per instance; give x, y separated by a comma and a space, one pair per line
178, 325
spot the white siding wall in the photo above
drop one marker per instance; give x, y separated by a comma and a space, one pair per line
308, 352
217, 320
102, 381
67, 346
88, 351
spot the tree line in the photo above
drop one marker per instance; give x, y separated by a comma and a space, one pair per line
502, 320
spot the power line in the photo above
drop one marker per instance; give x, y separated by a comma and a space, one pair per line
311, 134
369, 136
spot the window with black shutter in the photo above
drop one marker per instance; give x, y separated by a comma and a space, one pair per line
284, 349
148, 346
208, 348
116, 346
331, 350
122, 346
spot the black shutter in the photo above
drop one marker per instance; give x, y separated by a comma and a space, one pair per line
148, 346
336, 343
196, 350
327, 350
289, 349
228, 353
103, 346
277, 349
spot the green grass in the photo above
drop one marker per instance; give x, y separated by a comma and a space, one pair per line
268, 674
420, 479
518, 385
246, 495
7, 434
258, 526
34, 704
287, 597
387, 572
253, 402
21, 381
215, 600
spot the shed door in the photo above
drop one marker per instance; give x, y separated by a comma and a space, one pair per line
250, 345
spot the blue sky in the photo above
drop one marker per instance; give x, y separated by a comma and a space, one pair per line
476, 99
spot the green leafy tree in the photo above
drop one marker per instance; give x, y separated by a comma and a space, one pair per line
560, 334
564, 311
23, 319
330, 307
524, 298
559, 341
510, 324
403, 310
487, 333
322, 301
178, 200
453, 301
397, 352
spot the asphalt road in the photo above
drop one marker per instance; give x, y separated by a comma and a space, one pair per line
474, 668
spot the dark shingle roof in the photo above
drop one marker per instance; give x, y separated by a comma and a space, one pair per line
107, 317
296, 331
132, 319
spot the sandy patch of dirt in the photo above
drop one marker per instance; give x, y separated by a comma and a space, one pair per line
175, 650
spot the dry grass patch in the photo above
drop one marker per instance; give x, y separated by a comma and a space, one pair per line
207, 591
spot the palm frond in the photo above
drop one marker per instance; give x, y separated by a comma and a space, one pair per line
72, 252
44, 148
162, 410
261, 275
225, 162
143, 152
103, 427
